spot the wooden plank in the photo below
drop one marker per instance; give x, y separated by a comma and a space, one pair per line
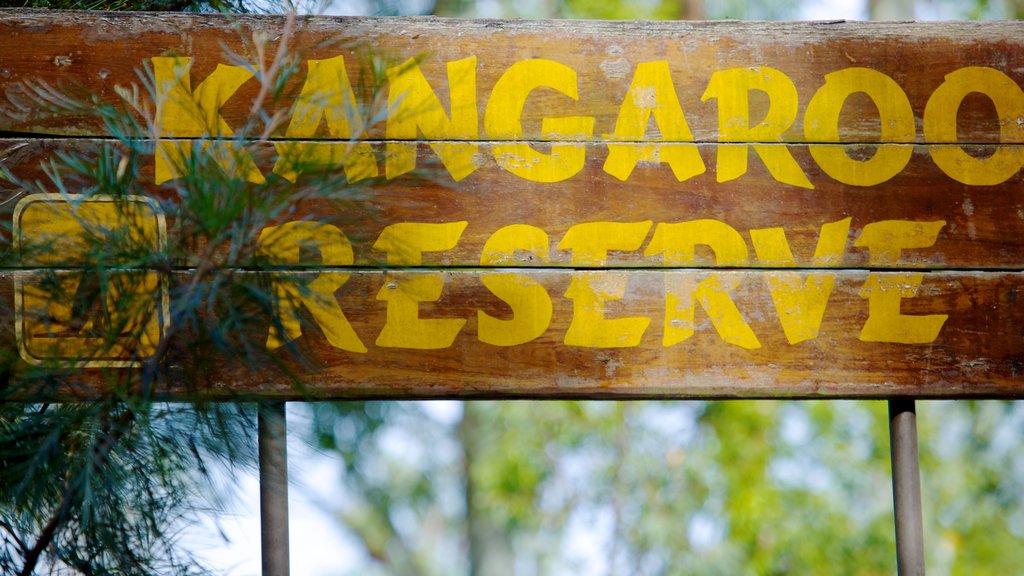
967, 324
983, 226
634, 231
85, 52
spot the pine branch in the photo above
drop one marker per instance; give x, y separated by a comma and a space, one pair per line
101, 451
50, 530
22, 547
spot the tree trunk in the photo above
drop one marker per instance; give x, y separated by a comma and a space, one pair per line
892, 9
692, 10
490, 545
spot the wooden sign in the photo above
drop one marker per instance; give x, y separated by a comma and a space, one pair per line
554, 209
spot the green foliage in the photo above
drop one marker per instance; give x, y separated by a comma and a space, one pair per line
104, 487
638, 10
730, 488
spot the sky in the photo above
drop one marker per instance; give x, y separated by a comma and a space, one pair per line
833, 10
319, 545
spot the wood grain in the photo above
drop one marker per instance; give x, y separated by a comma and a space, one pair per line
84, 53
977, 353
984, 225
920, 269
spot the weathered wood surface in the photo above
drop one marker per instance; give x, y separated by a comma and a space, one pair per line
984, 226
837, 206
977, 352
87, 51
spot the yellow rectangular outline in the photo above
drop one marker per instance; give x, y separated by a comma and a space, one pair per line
165, 301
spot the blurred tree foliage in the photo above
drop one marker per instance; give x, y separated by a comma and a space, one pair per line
738, 487
642, 9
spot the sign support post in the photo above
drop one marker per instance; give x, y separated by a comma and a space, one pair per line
906, 487
273, 454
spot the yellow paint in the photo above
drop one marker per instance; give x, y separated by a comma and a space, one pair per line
940, 126
129, 316
413, 108
732, 90
714, 295
404, 328
184, 113
589, 291
530, 302
885, 240
591, 241
652, 93
326, 92
676, 243
800, 299
885, 293
61, 232
126, 327
405, 242
502, 121
282, 245
821, 124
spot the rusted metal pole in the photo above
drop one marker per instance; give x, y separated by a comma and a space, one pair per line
906, 487
273, 450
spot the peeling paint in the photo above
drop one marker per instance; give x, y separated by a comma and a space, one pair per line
616, 69
968, 207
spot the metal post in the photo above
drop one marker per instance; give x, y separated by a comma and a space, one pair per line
906, 487
273, 488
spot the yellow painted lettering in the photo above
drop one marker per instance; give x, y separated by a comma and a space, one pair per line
326, 92
714, 295
414, 108
404, 328
940, 126
184, 113
677, 243
800, 299
732, 90
591, 241
406, 242
590, 291
887, 239
652, 93
530, 303
283, 245
821, 124
502, 121
885, 323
